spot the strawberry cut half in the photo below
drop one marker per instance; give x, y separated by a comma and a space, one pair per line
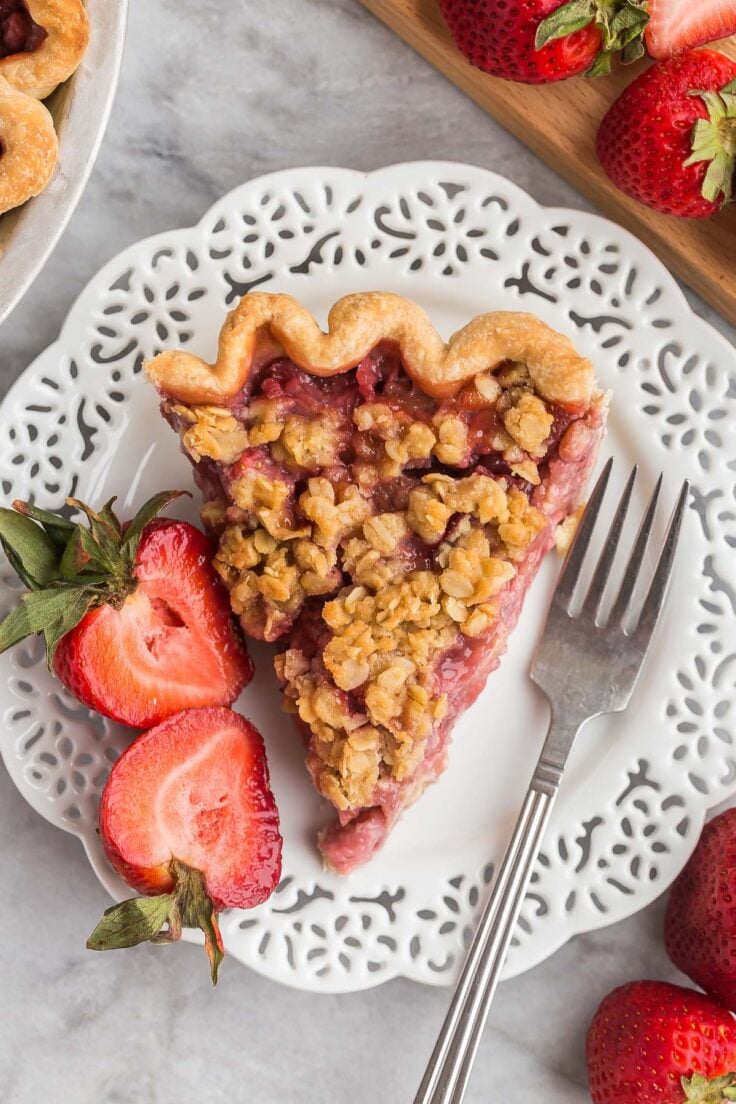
188, 818
678, 25
137, 625
170, 646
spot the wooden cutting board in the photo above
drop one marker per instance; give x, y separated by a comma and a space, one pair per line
559, 122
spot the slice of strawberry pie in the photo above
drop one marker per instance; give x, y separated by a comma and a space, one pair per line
381, 503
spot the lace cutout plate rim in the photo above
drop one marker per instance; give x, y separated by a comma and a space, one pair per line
459, 240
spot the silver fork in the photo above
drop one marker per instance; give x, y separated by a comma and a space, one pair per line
587, 663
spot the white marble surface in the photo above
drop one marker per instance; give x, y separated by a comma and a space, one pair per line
204, 103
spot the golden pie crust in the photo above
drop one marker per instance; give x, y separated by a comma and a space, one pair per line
67, 30
264, 325
29, 147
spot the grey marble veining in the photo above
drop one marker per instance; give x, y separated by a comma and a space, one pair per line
209, 99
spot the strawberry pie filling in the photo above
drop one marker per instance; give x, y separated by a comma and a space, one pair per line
19, 33
386, 540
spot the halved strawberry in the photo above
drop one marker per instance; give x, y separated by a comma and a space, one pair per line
678, 25
188, 815
137, 624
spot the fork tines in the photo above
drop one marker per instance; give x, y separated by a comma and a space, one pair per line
639, 624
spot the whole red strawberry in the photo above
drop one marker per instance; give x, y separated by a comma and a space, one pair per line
700, 922
653, 1043
187, 817
136, 623
538, 41
669, 140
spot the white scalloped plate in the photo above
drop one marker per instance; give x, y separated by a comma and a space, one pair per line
459, 240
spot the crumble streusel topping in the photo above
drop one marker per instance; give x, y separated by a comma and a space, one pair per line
369, 700
528, 421
213, 432
411, 537
310, 443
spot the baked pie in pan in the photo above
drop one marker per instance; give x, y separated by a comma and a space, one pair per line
381, 502
41, 44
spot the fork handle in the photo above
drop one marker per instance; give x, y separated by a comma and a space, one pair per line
446, 1077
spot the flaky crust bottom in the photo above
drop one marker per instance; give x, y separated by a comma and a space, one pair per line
29, 147
263, 325
38, 73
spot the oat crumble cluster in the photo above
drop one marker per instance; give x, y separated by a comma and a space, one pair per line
355, 504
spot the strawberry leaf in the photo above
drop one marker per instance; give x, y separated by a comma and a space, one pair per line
620, 24
83, 560
58, 528
104, 526
146, 514
105, 533
32, 553
212, 942
626, 27
601, 67
109, 521
197, 911
709, 1090
564, 21
131, 922
143, 919
69, 568
43, 611
80, 602
718, 182
633, 51
714, 140
77, 554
